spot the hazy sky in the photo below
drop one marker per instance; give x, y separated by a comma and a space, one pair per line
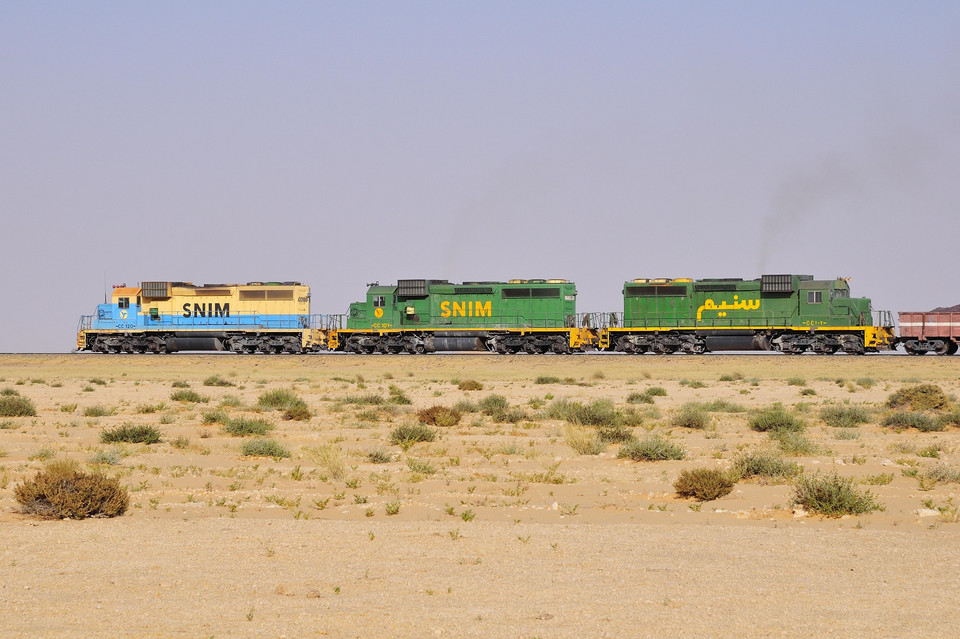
342, 143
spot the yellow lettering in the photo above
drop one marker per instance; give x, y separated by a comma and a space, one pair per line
459, 309
444, 309
483, 309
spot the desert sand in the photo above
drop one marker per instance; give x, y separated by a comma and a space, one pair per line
493, 529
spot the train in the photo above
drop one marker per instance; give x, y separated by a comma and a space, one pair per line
787, 313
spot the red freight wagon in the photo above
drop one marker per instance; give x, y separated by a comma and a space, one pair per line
922, 333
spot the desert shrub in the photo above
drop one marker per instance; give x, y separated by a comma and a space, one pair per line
181, 443
62, 490
466, 406
583, 441
470, 385
215, 417
439, 416
16, 406
653, 448
794, 443
704, 484
846, 434
379, 456
9, 392
367, 399
720, 406
656, 391
189, 396
919, 397
950, 419
110, 457
796, 381
298, 412
691, 416
98, 381
640, 398
940, 474
599, 412
833, 496
775, 418
731, 377
149, 409
421, 466
97, 411
406, 435
397, 396
230, 401
910, 419
866, 382
278, 399
217, 380
493, 405
614, 433
844, 416
264, 448
546, 379
180, 384
329, 459
244, 426
132, 434
765, 465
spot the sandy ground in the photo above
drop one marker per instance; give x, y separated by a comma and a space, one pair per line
503, 529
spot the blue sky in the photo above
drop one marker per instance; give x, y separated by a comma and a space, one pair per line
342, 143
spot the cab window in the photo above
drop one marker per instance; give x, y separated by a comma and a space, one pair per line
378, 301
123, 302
814, 297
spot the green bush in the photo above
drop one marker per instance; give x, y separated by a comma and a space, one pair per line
379, 456
215, 417
189, 396
731, 377
279, 399
264, 448
775, 418
9, 392
470, 385
794, 443
62, 490
704, 484
546, 379
844, 416
768, 466
97, 411
653, 448
640, 398
614, 433
908, 419
691, 416
397, 396
940, 474
796, 381
244, 426
833, 496
439, 416
656, 391
217, 380
582, 441
920, 397
297, 412
406, 435
16, 406
367, 399
600, 412
720, 406
140, 434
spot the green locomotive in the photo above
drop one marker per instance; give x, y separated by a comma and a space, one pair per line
418, 316
787, 313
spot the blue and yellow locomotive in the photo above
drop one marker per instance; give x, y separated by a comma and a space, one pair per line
165, 317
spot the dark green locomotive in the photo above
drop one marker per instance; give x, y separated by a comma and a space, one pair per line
788, 313
417, 316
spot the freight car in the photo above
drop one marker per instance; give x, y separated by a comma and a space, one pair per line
424, 316
787, 313
934, 332
165, 317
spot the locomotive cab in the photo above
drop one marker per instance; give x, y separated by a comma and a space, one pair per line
122, 312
